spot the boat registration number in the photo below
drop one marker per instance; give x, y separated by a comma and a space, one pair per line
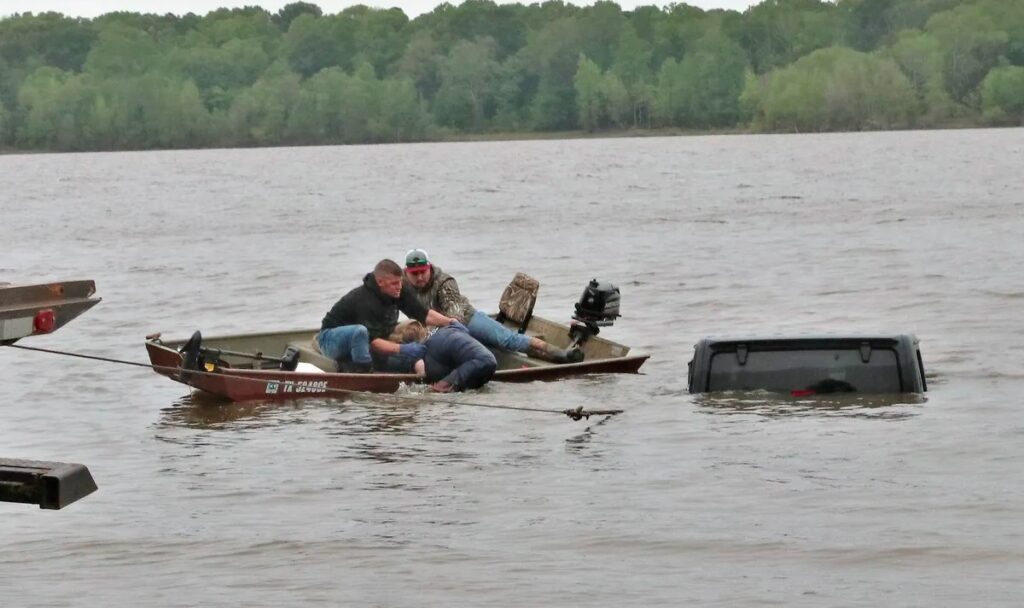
300, 386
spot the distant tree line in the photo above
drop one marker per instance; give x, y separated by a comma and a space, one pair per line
248, 77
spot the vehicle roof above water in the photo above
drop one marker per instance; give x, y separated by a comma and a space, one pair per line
809, 363
815, 338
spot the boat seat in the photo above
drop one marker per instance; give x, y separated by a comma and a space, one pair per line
517, 301
309, 352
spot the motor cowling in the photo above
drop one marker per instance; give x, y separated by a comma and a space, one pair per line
599, 304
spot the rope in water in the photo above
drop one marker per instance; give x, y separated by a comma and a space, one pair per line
574, 413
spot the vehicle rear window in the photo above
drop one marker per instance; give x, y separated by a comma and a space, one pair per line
814, 371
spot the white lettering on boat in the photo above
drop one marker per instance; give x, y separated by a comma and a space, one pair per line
304, 386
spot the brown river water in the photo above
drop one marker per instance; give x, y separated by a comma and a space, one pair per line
741, 500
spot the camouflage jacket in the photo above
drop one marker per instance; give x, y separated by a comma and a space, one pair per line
442, 295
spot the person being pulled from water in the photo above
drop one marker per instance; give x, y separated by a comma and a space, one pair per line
453, 360
355, 331
438, 291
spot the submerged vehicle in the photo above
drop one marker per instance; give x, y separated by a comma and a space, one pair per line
805, 366
288, 364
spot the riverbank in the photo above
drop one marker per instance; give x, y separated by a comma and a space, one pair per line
451, 137
446, 137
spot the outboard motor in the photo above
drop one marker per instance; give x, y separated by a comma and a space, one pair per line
598, 307
191, 356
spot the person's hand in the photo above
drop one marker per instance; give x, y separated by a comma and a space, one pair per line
459, 326
413, 350
442, 387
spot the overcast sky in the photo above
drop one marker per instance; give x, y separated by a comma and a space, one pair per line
92, 8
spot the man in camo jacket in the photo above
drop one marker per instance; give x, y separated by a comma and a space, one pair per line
437, 290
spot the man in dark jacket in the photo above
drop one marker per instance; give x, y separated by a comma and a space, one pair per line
453, 360
355, 331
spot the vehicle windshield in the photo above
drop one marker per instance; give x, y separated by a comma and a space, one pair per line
814, 371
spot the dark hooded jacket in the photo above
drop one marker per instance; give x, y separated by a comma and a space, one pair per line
366, 305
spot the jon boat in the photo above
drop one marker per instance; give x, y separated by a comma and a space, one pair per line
256, 366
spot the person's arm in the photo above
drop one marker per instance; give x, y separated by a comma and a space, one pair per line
437, 319
381, 346
451, 302
411, 307
384, 347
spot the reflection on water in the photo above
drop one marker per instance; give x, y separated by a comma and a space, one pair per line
580, 443
763, 403
381, 428
204, 411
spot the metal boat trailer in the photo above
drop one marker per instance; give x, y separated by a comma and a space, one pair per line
30, 310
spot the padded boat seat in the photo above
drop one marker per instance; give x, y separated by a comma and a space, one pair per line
517, 301
309, 352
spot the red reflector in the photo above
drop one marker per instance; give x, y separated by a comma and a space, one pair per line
44, 322
807, 392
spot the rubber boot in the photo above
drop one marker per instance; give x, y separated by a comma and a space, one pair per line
540, 349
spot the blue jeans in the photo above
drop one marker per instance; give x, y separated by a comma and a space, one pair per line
455, 357
491, 333
345, 343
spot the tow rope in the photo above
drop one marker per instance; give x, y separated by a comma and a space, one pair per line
577, 413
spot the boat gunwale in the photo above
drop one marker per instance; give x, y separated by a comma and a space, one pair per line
519, 371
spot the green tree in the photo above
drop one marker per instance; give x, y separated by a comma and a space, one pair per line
836, 89
289, 12
616, 101
155, 111
868, 92
587, 82
250, 23
600, 26
421, 63
400, 116
632, 64
261, 114
5, 125
313, 44
920, 58
9, 82
476, 19
48, 100
972, 44
334, 107
380, 35
122, 50
1002, 94
514, 88
468, 78
670, 97
867, 23
675, 30
220, 72
752, 99
714, 75
46, 39
551, 58
777, 32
